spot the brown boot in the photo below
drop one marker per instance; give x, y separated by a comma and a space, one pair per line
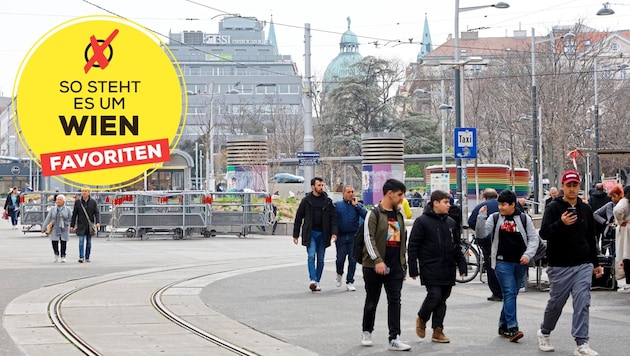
421, 326
438, 336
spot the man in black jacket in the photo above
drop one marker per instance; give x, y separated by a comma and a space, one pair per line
596, 200
85, 212
318, 215
434, 254
567, 226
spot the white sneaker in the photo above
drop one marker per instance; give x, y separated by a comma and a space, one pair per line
338, 280
366, 338
544, 342
63, 260
584, 350
318, 288
624, 289
350, 287
56, 258
397, 345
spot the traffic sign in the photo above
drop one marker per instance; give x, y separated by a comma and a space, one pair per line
465, 142
308, 158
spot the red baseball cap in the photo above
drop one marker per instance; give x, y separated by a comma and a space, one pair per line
570, 176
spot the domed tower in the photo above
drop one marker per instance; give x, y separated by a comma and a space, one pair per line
341, 66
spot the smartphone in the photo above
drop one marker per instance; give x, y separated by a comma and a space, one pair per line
571, 210
387, 270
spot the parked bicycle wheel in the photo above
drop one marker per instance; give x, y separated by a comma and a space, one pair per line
473, 263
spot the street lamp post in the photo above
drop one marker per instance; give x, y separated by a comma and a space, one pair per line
596, 123
535, 118
459, 109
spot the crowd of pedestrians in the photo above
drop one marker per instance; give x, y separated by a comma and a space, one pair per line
575, 233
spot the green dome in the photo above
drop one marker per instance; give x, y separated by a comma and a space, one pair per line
341, 66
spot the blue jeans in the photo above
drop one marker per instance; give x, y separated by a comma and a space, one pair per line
88, 246
316, 249
14, 217
344, 244
510, 276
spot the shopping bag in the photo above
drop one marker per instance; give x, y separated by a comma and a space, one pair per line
92, 230
49, 228
5, 216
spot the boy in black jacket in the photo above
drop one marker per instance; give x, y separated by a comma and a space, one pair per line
434, 253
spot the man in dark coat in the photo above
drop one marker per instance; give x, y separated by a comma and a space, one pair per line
434, 254
317, 218
85, 212
596, 200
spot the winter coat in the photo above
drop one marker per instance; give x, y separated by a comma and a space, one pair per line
304, 219
79, 220
598, 199
622, 239
61, 218
569, 245
434, 250
603, 215
375, 237
349, 216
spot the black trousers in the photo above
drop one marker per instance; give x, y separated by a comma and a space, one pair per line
493, 282
55, 246
435, 304
374, 283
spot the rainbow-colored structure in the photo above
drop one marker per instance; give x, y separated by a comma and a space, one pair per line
497, 176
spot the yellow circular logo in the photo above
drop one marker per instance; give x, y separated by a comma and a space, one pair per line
99, 102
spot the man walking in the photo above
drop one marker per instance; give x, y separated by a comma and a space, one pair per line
317, 218
492, 206
349, 210
85, 212
568, 227
434, 255
384, 263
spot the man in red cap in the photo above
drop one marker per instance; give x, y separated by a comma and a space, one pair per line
569, 229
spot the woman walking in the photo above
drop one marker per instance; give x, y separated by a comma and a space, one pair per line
59, 216
622, 238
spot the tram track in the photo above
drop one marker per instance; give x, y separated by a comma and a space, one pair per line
56, 305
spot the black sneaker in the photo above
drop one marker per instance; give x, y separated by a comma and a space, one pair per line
503, 330
513, 334
495, 298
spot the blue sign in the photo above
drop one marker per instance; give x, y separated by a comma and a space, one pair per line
308, 158
465, 142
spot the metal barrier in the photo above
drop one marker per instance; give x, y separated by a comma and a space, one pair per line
181, 213
240, 210
186, 213
34, 207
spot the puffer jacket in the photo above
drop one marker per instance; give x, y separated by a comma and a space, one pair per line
434, 250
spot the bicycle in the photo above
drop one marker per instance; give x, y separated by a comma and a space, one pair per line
474, 259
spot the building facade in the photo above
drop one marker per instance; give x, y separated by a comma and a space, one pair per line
238, 84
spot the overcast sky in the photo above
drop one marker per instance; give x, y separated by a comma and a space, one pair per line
23, 22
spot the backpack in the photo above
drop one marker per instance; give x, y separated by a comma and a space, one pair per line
541, 252
359, 241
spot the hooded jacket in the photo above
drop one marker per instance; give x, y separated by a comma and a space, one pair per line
569, 245
304, 219
434, 249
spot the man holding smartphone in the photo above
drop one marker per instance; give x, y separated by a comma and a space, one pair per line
568, 227
349, 212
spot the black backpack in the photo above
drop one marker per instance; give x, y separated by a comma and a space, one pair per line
541, 252
359, 241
